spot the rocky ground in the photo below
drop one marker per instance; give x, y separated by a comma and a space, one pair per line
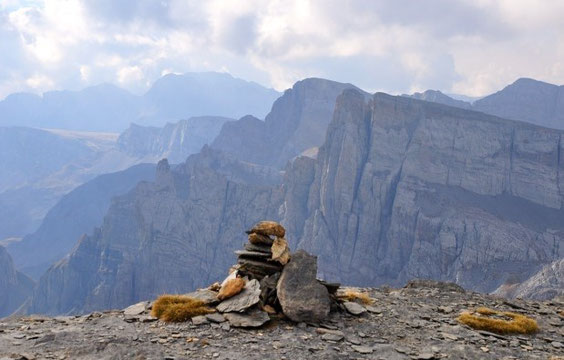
416, 322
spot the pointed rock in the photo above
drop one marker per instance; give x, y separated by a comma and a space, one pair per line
302, 297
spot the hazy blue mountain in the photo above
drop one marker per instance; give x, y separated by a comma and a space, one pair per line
75, 214
15, 287
174, 141
108, 108
528, 100
40, 166
439, 97
28, 155
176, 97
99, 108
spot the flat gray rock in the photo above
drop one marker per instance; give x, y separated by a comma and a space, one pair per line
242, 301
199, 320
332, 337
362, 349
206, 295
253, 318
252, 254
215, 318
136, 309
354, 308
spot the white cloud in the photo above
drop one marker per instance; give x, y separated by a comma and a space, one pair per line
467, 46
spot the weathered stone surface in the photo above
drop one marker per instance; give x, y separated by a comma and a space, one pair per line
251, 319
215, 318
354, 308
200, 320
136, 309
302, 297
206, 295
280, 251
268, 228
242, 301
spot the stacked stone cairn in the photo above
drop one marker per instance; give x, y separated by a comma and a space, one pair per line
269, 281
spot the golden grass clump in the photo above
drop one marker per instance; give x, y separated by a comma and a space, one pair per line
178, 308
231, 288
350, 295
513, 324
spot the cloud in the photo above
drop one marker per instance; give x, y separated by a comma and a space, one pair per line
473, 47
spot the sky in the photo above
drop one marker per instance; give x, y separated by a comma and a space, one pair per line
470, 47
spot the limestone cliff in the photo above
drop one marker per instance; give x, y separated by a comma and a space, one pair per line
298, 121
406, 188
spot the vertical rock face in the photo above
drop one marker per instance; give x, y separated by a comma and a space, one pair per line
173, 235
15, 287
298, 121
406, 189
174, 141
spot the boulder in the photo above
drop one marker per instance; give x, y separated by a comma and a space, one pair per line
302, 297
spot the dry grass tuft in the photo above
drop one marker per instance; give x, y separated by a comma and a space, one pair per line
178, 308
350, 295
512, 324
231, 288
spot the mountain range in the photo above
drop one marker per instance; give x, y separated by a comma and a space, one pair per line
528, 100
399, 189
383, 189
108, 108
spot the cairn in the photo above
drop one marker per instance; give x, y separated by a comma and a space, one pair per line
268, 281
266, 253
